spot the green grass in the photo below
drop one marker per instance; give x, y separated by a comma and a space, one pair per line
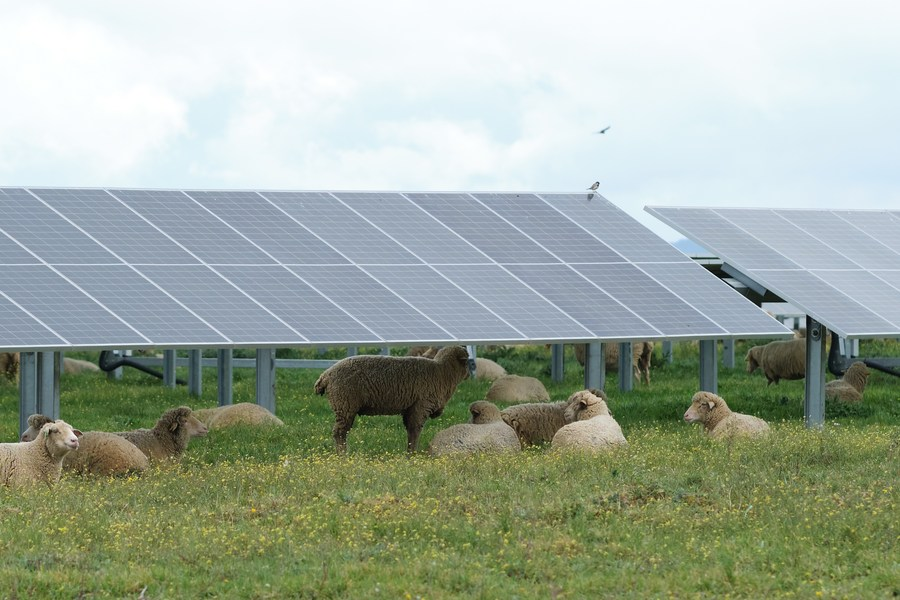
276, 514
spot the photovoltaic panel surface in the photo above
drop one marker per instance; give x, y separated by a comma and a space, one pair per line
452, 308
101, 268
115, 226
65, 309
841, 267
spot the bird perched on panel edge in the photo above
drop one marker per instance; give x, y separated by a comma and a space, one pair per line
594, 186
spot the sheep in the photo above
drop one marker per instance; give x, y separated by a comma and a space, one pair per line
75, 365
589, 424
721, 422
412, 386
98, 452
642, 355
40, 460
485, 432
487, 369
517, 388
781, 359
242, 413
851, 386
537, 422
426, 351
9, 365
169, 437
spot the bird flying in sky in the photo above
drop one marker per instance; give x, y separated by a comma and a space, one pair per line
604, 130
594, 186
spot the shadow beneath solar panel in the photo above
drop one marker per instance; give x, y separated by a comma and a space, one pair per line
108, 365
837, 364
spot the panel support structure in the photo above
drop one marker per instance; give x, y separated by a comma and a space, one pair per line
557, 365
594, 366
265, 378
708, 366
728, 353
814, 395
470, 349
668, 351
169, 368
195, 373
38, 386
225, 373
626, 367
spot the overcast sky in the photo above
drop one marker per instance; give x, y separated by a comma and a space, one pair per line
789, 104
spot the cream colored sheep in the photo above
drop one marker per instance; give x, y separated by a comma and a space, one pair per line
487, 369
851, 386
486, 432
781, 359
417, 388
589, 425
40, 460
76, 365
169, 437
719, 421
242, 413
517, 388
642, 355
535, 422
98, 453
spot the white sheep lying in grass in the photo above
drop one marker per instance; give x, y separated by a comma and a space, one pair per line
485, 368
242, 413
589, 425
719, 421
169, 437
98, 452
486, 432
781, 359
40, 460
417, 388
517, 388
851, 386
76, 365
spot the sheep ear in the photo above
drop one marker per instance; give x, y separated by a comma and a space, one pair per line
77, 433
711, 404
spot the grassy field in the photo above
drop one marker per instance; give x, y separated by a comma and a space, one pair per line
276, 514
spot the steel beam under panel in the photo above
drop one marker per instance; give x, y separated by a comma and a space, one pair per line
626, 367
708, 366
265, 378
557, 364
594, 366
814, 392
225, 373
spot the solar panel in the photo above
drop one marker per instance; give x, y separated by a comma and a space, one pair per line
840, 267
339, 226
115, 226
64, 309
268, 227
21, 331
113, 268
47, 234
194, 227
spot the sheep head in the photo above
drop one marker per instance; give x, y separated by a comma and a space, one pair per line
60, 437
484, 412
585, 404
752, 361
702, 404
181, 418
35, 423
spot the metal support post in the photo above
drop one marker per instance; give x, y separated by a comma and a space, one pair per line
708, 366
814, 394
265, 378
557, 366
225, 373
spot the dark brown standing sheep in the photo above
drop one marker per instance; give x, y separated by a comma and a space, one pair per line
169, 437
412, 386
782, 359
9, 365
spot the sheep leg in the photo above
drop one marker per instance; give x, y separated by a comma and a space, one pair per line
413, 420
342, 425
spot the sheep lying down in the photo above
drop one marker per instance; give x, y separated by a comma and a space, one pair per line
40, 460
589, 425
98, 452
721, 422
485, 432
412, 386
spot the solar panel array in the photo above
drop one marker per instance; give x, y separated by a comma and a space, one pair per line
842, 267
113, 268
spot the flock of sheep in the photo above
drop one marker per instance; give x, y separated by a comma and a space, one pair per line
417, 387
